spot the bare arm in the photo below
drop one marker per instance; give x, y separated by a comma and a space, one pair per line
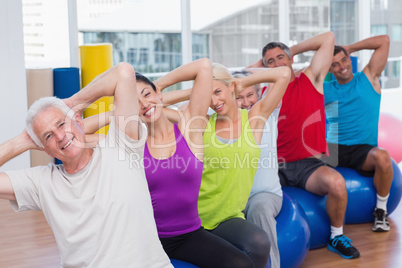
95, 122
378, 60
16, 146
173, 97
323, 44
92, 124
201, 72
280, 77
8, 151
92, 140
194, 116
119, 82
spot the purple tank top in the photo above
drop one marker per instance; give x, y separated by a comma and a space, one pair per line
174, 184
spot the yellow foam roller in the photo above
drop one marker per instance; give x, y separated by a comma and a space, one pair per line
96, 59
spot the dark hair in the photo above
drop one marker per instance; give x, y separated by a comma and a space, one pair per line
240, 74
145, 80
273, 45
338, 49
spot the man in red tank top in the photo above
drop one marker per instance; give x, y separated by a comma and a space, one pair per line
301, 132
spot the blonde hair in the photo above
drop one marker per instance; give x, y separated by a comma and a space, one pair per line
222, 74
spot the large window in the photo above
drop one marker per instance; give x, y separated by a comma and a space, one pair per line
307, 18
238, 35
386, 19
148, 52
396, 69
239, 31
147, 33
379, 29
343, 18
397, 32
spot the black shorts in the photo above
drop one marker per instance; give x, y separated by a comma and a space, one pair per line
297, 173
350, 156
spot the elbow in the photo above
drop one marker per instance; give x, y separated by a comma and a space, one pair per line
205, 63
330, 34
386, 40
125, 70
204, 67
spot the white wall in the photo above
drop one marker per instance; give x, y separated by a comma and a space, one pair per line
50, 48
13, 94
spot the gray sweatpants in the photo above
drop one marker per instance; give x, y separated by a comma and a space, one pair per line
261, 209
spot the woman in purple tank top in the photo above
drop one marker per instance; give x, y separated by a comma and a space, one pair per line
173, 166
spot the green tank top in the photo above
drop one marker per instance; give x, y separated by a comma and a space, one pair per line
228, 174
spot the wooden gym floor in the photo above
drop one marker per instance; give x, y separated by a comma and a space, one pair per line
26, 241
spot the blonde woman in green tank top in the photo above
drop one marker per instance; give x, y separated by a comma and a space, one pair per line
231, 157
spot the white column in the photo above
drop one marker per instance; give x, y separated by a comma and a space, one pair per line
186, 41
13, 93
186, 36
284, 23
364, 24
73, 33
400, 72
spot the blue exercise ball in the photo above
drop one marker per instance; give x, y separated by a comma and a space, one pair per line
293, 233
362, 195
314, 206
268, 264
182, 264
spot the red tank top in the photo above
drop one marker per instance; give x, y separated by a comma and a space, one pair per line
301, 122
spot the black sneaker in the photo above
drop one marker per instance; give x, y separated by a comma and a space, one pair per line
381, 223
343, 246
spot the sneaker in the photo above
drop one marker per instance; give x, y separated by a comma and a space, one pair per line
381, 223
342, 245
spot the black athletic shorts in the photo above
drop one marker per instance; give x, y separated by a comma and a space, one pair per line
350, 156
297, 173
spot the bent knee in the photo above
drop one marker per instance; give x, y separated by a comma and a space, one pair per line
260, 243
383, 160
337, 185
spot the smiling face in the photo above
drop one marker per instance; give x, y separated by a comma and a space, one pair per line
247, 98
341, 68
61, 136
151, 105
276, 57
222, 97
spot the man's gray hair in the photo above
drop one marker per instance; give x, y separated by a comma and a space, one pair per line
273, 45
42, 105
